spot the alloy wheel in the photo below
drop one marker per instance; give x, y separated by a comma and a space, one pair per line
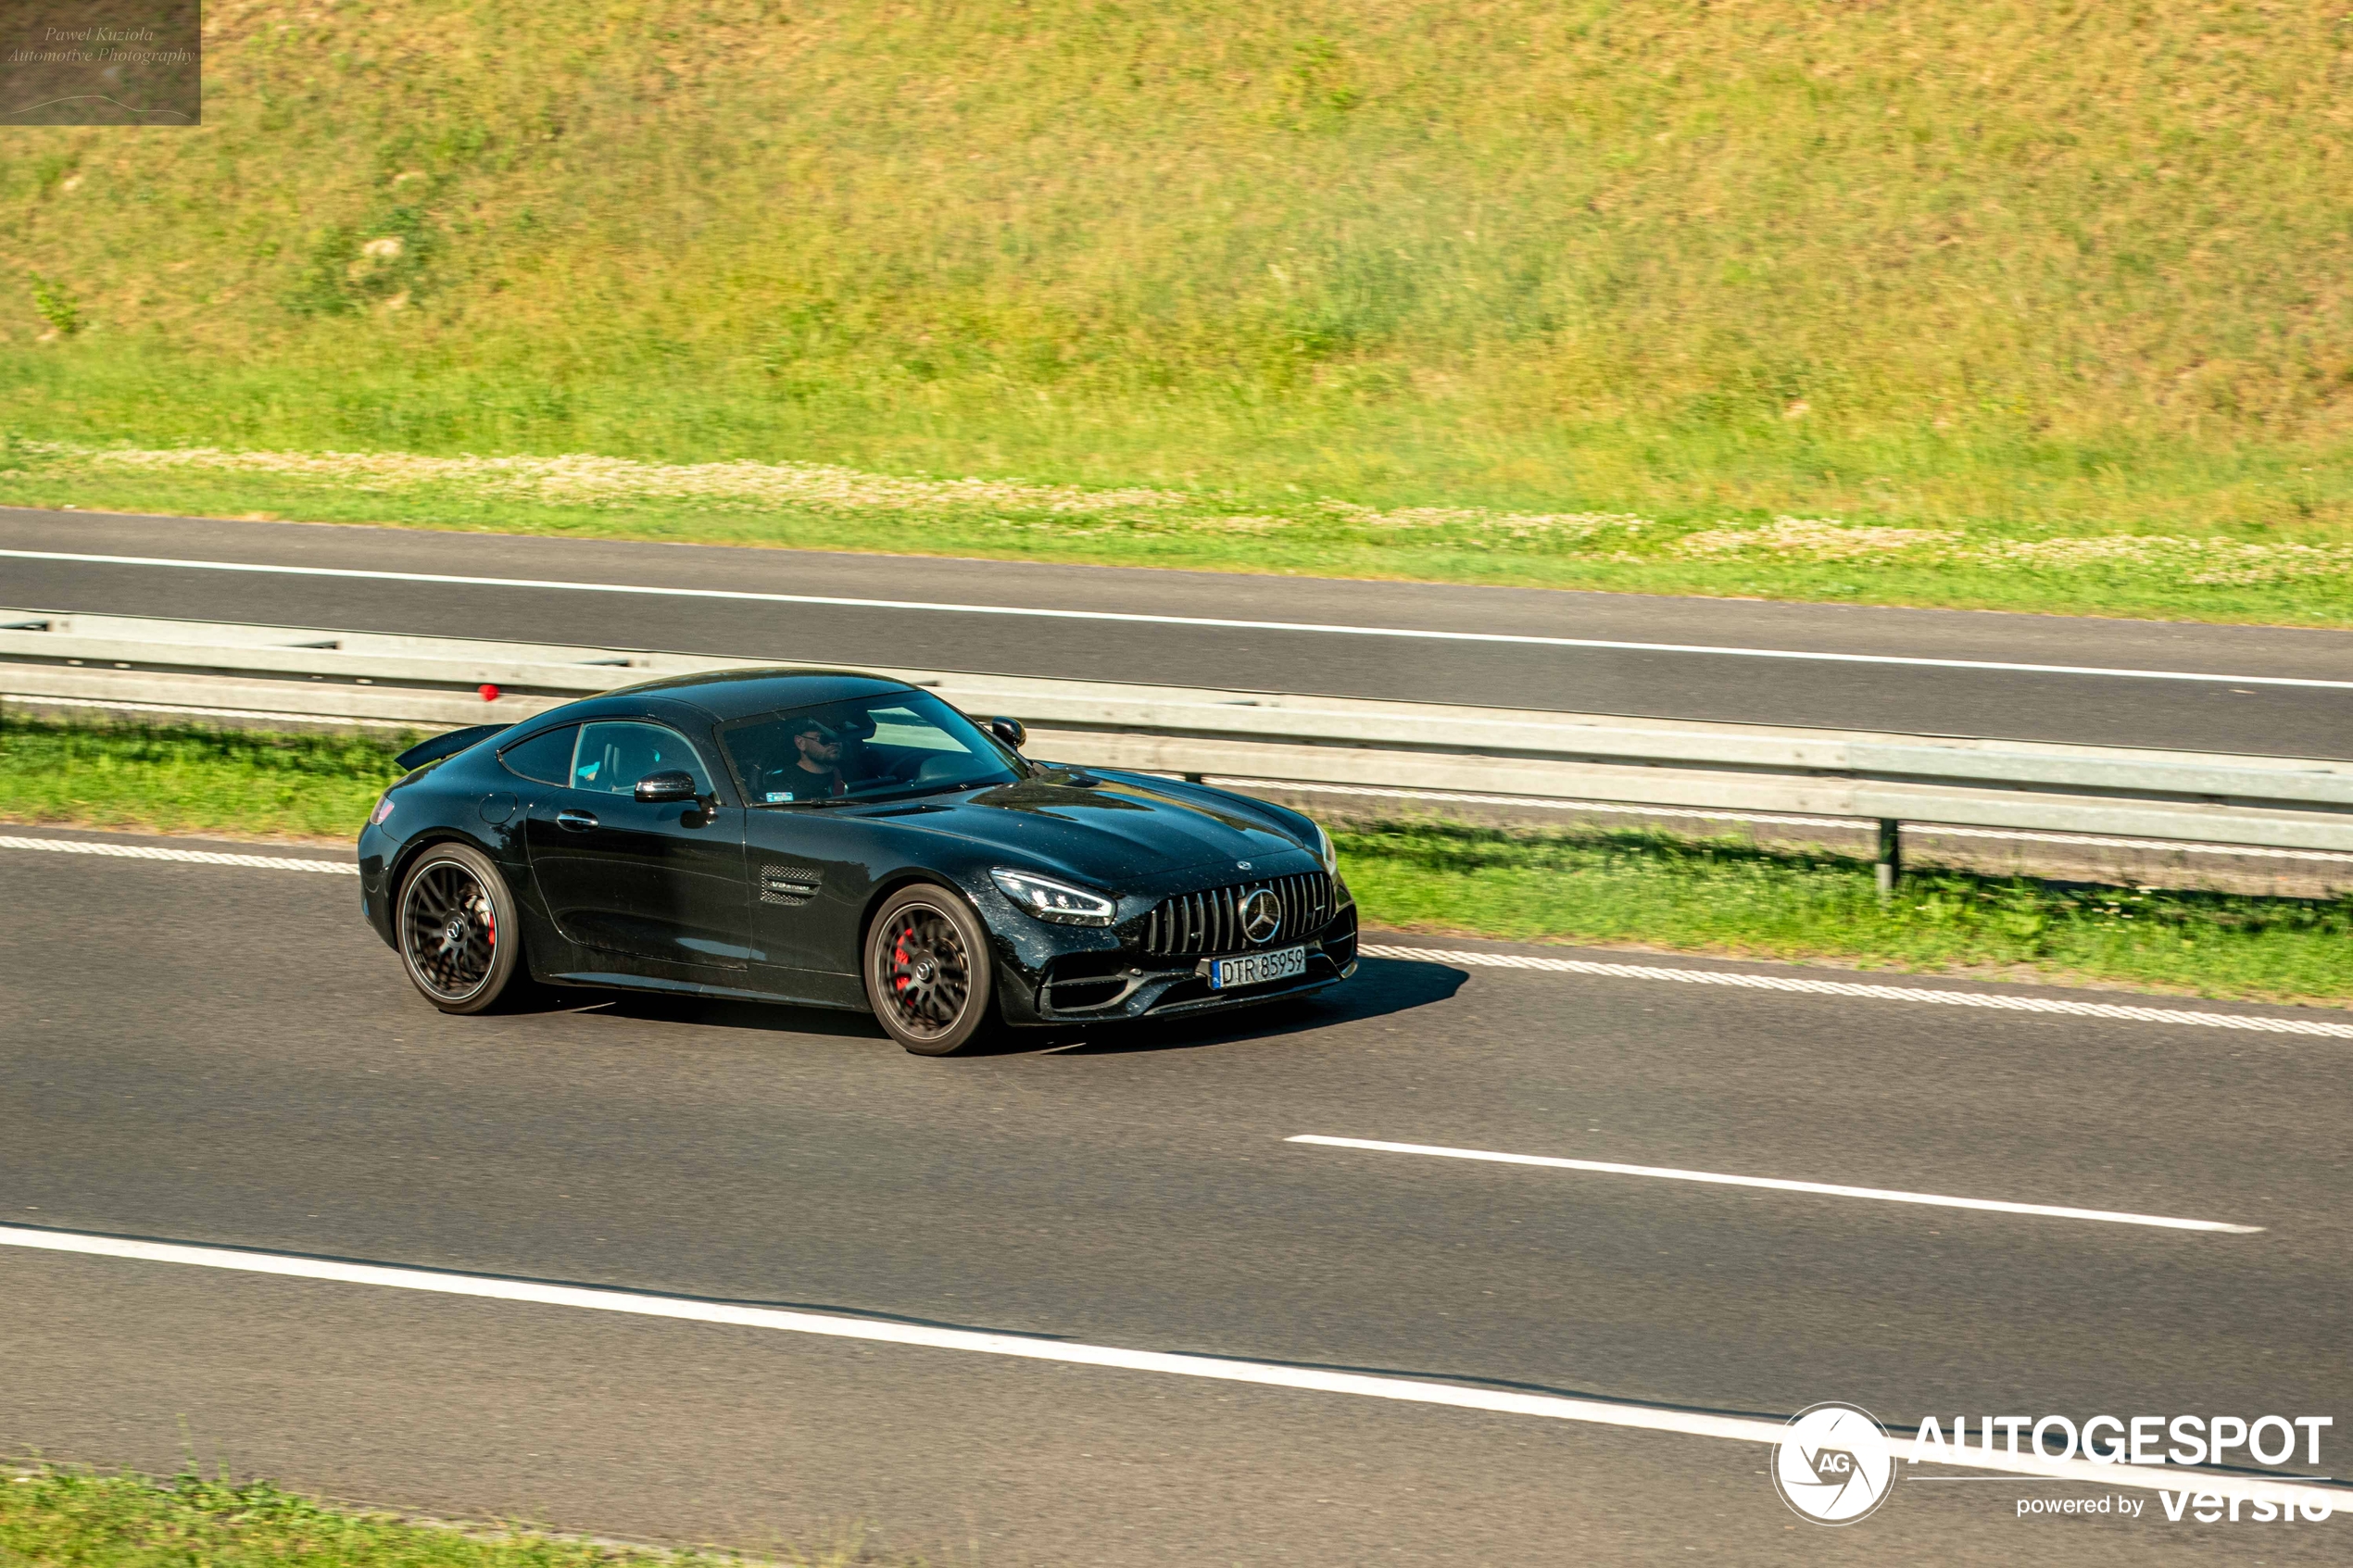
449, 929
926, 973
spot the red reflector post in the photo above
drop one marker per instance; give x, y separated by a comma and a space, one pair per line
489, 693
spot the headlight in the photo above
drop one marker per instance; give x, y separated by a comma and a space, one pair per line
384, 808
1326, 850
1057, 903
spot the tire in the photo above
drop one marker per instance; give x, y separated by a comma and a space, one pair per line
459, 938
929, 976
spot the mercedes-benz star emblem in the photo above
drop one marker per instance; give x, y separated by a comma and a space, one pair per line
1261, 915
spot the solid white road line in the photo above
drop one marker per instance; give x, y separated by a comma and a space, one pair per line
1884, 1194
1442, 955
1600, 1413
1320, 628
1869, 993
194, 857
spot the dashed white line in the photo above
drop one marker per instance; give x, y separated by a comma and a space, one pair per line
1993, 1000
194, 857
1409, 1390
1133, 618
1822, 1189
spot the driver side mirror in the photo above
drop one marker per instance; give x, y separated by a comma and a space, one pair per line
662, 789
1011, 731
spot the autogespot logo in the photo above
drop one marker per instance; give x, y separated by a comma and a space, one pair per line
1834, 1465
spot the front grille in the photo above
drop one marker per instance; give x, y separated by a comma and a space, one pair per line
1211, 921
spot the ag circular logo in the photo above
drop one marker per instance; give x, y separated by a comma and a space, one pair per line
1833, 1464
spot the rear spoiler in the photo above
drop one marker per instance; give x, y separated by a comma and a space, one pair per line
455, 741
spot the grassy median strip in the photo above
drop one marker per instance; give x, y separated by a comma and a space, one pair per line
1633, 888
53, 1517
187, 778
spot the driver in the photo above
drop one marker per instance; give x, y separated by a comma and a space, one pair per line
816, 775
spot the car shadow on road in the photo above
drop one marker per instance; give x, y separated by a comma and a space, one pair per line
1380, 987
717, 1012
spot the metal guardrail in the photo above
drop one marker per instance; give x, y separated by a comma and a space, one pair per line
2291, 803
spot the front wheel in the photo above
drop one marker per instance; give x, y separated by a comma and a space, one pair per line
459, 935
928, 970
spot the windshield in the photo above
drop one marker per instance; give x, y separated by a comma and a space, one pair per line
899, 744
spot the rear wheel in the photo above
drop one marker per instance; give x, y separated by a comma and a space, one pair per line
928, 971
459, 938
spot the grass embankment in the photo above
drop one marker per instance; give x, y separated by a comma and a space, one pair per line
57, 1518
1512, 279
1630, 888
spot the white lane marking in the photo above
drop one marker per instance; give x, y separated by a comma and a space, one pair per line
195, 857
1601, 1412
1322, 628
1436, 955
1869, 992
1824, 1189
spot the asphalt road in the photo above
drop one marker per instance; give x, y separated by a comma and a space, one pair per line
2209, 715
221, 1055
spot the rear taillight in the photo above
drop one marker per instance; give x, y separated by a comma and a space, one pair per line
384, 808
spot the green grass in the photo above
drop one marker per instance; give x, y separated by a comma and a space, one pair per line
1627, 888
2016, 270
186, 779
54, 1517
1730, 898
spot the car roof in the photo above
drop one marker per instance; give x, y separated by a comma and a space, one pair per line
741, 694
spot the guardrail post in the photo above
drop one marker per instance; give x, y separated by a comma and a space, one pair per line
1890, 857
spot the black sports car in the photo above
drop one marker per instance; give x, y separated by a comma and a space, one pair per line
836, 839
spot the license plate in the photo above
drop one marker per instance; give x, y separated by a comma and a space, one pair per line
1257, 968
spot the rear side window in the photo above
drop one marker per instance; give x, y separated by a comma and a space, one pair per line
614, 757
547, 758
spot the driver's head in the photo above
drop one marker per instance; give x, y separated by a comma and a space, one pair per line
819, 747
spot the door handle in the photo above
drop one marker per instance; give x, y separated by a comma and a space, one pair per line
578, 821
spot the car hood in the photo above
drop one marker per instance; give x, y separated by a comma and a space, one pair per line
1122, 834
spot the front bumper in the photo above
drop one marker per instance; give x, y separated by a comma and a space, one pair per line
1087, 988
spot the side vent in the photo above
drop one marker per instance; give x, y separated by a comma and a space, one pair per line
790, 884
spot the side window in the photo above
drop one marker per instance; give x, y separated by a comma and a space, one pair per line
611, 758
547, 758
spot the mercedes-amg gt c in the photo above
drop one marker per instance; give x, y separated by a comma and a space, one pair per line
841, 840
